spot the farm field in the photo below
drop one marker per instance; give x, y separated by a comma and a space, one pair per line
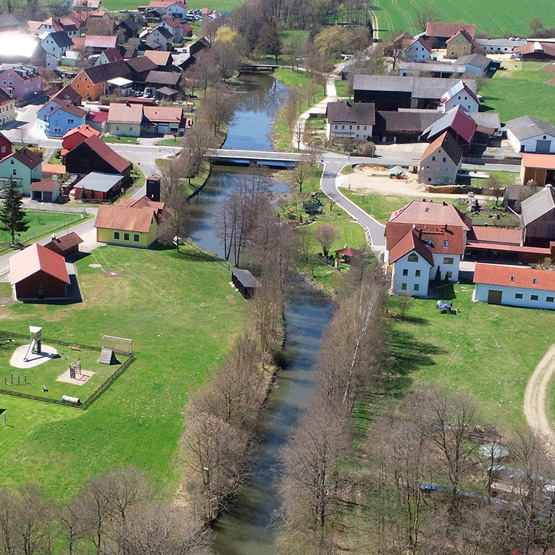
496, 17
487, 351
182, 316
218, 5
520, 89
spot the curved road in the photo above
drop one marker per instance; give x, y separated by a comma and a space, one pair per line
535, 399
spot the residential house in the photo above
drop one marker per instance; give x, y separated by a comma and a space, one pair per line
162, 120
8, 22
96, 44
70, 58
66, 24
57, 43
64, 118
61, 98
45, 190
417, 50
175, 27
129, 223
98, 186
86, 5
92, 82
160, 39
139, 68
20, 82
500, 46
162, 58
537, 167
169, 8
478, 65
350, 120
538, 217
37, 273
124, 120
461, 93
536, 51
389, 92
108, 56
23, 166
67, 94
6, 146
437, 34
441, 161
64, 245
459, 44
528, 134
514, 286
94, 155
7, 108
129, 27
98, 120
458, 122
425, 241
76, 136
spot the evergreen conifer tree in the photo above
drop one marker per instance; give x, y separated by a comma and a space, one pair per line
12, 216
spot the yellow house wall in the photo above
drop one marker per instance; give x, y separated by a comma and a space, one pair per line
125, 129
104, 235
456, 49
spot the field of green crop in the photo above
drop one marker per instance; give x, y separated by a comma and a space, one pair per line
496, 17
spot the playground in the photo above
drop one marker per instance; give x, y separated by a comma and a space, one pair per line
57, 371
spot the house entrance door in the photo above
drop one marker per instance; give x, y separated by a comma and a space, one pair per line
494, 297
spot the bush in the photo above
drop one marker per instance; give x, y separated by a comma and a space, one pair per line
366, 148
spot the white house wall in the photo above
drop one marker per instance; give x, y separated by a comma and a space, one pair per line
463, 99
416, 53
529, 144
411, 279
439, 262
508, 296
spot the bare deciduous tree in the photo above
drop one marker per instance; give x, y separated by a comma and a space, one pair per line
325, 235
176, 223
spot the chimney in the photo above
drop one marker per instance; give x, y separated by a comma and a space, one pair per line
445, 227
420, 234
444, 203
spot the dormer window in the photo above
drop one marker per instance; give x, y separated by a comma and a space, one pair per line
412, 257
445, 243
534, 281
512, 278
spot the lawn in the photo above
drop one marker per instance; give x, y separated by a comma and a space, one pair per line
497, 17
182, 316
170, 142
520, 90
218, 5
113, 139
486, 351
341, 89
42, 223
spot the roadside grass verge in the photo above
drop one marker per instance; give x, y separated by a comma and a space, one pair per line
182, 316
486, 351
341, 89
114, 140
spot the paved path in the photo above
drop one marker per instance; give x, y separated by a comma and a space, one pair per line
535, 400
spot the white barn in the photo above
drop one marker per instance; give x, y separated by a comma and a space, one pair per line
528, 134
417, 50
514, 286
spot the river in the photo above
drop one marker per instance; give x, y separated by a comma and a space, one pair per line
249, 527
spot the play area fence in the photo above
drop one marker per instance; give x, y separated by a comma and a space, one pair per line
89, 400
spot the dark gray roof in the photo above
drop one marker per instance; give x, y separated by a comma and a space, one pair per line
163, 77
526, 127
359, 113
406, 121
486, 119
537, 205
61, 39
476, 60
245, 277
98, 181
419, 87
501, 43
444, 67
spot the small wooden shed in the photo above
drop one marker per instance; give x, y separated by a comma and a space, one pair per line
65, 245
245, 282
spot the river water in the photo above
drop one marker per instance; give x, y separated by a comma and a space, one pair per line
250, 526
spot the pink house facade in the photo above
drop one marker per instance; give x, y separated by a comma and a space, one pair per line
20, 81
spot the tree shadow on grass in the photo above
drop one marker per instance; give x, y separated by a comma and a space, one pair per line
405, 353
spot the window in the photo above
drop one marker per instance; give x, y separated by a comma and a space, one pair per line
416, 287
445, 243
448, 260
71, 120
534, 281
448, 275
126, 236
427, 168
417, 273
116, 234
444, 159
136, 237
88, 87
14, 172
549, 299
512, 278
533, 297
342, 127
358, 127
518, 295
130, 129
78, 86
405, 272
403, 286
433, 158
12, 162
448, 170
412, 257
3, 149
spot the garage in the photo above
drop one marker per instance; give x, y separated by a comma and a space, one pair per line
45, 190
494, 297
163, 128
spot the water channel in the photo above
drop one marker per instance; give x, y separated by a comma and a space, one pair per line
250, 527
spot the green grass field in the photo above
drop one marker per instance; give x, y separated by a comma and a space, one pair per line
487, 351
520, 90
219, 5
182, 316
496, 17
113, 139
42, 223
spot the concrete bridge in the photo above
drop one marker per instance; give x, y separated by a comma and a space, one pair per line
246, 68
254, 156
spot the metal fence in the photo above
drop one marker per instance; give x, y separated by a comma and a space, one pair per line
93, 397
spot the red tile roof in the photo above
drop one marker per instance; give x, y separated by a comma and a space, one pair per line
84, 130
449, 145
124, 218
47, 185
422, 212
163, 114
100, 41
410, 242
542, 161
125, 113
143, 203
433, 236
446, 30
462, 32
64, 242
490, 234
96, 144
515, 276
348, 251
36, 258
